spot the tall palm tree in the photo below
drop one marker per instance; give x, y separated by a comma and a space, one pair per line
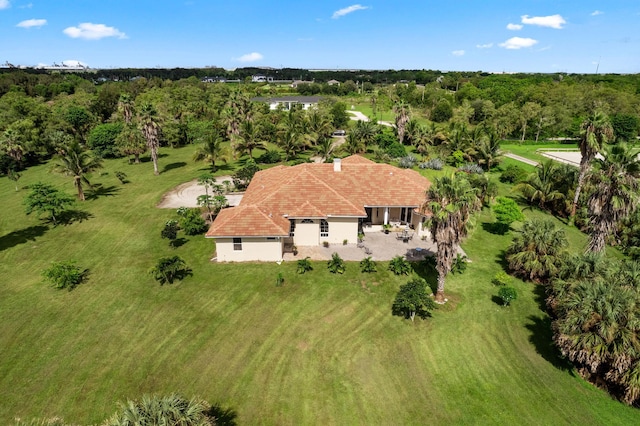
325, 148
291, 143
488, 150
403, 115
450, 201
125, 106
150, 130
248, 138
212, 149
77, 162
616, 193
595, 131
366, 132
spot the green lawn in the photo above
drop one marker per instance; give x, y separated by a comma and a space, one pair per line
322, 349
529, 151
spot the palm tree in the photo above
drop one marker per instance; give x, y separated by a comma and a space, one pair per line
541, 185
403, 115
162, 410
212, 149
150, 129
125, 106
353, 145
77, 162
319, 125
450, 201
11, 144
488, 150
366, 132
536, 252
291, 143
248, 139
616, 195
595, 131
325, 148
131, 142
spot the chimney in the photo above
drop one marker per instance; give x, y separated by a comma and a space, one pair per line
337, 165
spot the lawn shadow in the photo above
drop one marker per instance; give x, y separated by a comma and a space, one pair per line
172, 166
222, 416
495, 228
22, 236
542, 339
72, 216
497, 300
178, 242
99, 190
501, 259
426, 269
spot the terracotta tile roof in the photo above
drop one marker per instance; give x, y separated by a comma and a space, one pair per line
315, 190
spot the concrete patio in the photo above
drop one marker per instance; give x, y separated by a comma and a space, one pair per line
382, 247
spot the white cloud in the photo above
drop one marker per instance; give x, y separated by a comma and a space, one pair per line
347, 10
514, 27
250, 57
89, 31
30, 23
4, 4
458, 53
484, 46
515, 43
551, 21
597, 12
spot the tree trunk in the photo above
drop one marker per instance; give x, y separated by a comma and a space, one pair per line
440, 292
213, 166
412, 315
583, 172
154, 158
539, 129
78, 183
524, 132
136, 157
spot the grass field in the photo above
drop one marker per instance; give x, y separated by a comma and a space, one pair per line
529, 151
322, 349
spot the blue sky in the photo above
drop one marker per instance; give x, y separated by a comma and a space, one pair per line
470, 35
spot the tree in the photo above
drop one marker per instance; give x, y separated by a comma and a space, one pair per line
242, 177
507, 294
403, 115
11, 144
541, 185
537, 252
616, 196
14, 176
169, 269
529, 111
80, 120
64, 274
248, 139
212, 149
412, 299
130, 141
451, 201
125, 106
507, 212
170, 231
150, 130
44, 198
487, 151
162, 410
77, 162
595, 131
102, 139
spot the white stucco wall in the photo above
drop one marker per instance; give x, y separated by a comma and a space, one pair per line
253, 249
342, 228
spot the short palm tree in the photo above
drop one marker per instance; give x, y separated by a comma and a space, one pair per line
150, 130
248, 138
353, 145
595, 131
616, 193
450, 201
11, 144
212, 149
161, 410
76, 161
540, 186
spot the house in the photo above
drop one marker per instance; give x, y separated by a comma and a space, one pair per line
288, 102
308, 204
297, 83
333, 83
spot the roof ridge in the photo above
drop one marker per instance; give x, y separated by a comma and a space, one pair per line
335, 192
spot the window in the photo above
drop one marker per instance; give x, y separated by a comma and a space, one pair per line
272, 238
292, 227
306, 221
237, 244
324, 228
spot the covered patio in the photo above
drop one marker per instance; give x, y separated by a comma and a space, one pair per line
377, 244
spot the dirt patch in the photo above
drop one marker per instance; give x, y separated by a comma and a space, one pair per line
186, 195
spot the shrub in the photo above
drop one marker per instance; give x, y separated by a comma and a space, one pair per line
367, 265
507, 212
191, 221
271, 156
122, 177
242, 177
336, 264
345, 242
471, 168
412, 299
279, 280
170, 230
507, 294
102, 140
325, 244
169, 269
65, 274
456, 158
459, 264
407, 162
433, 164
501, 279
304, 265
399, 266
513, 174
396, 150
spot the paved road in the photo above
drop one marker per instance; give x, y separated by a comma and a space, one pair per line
522, 159
358, 116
